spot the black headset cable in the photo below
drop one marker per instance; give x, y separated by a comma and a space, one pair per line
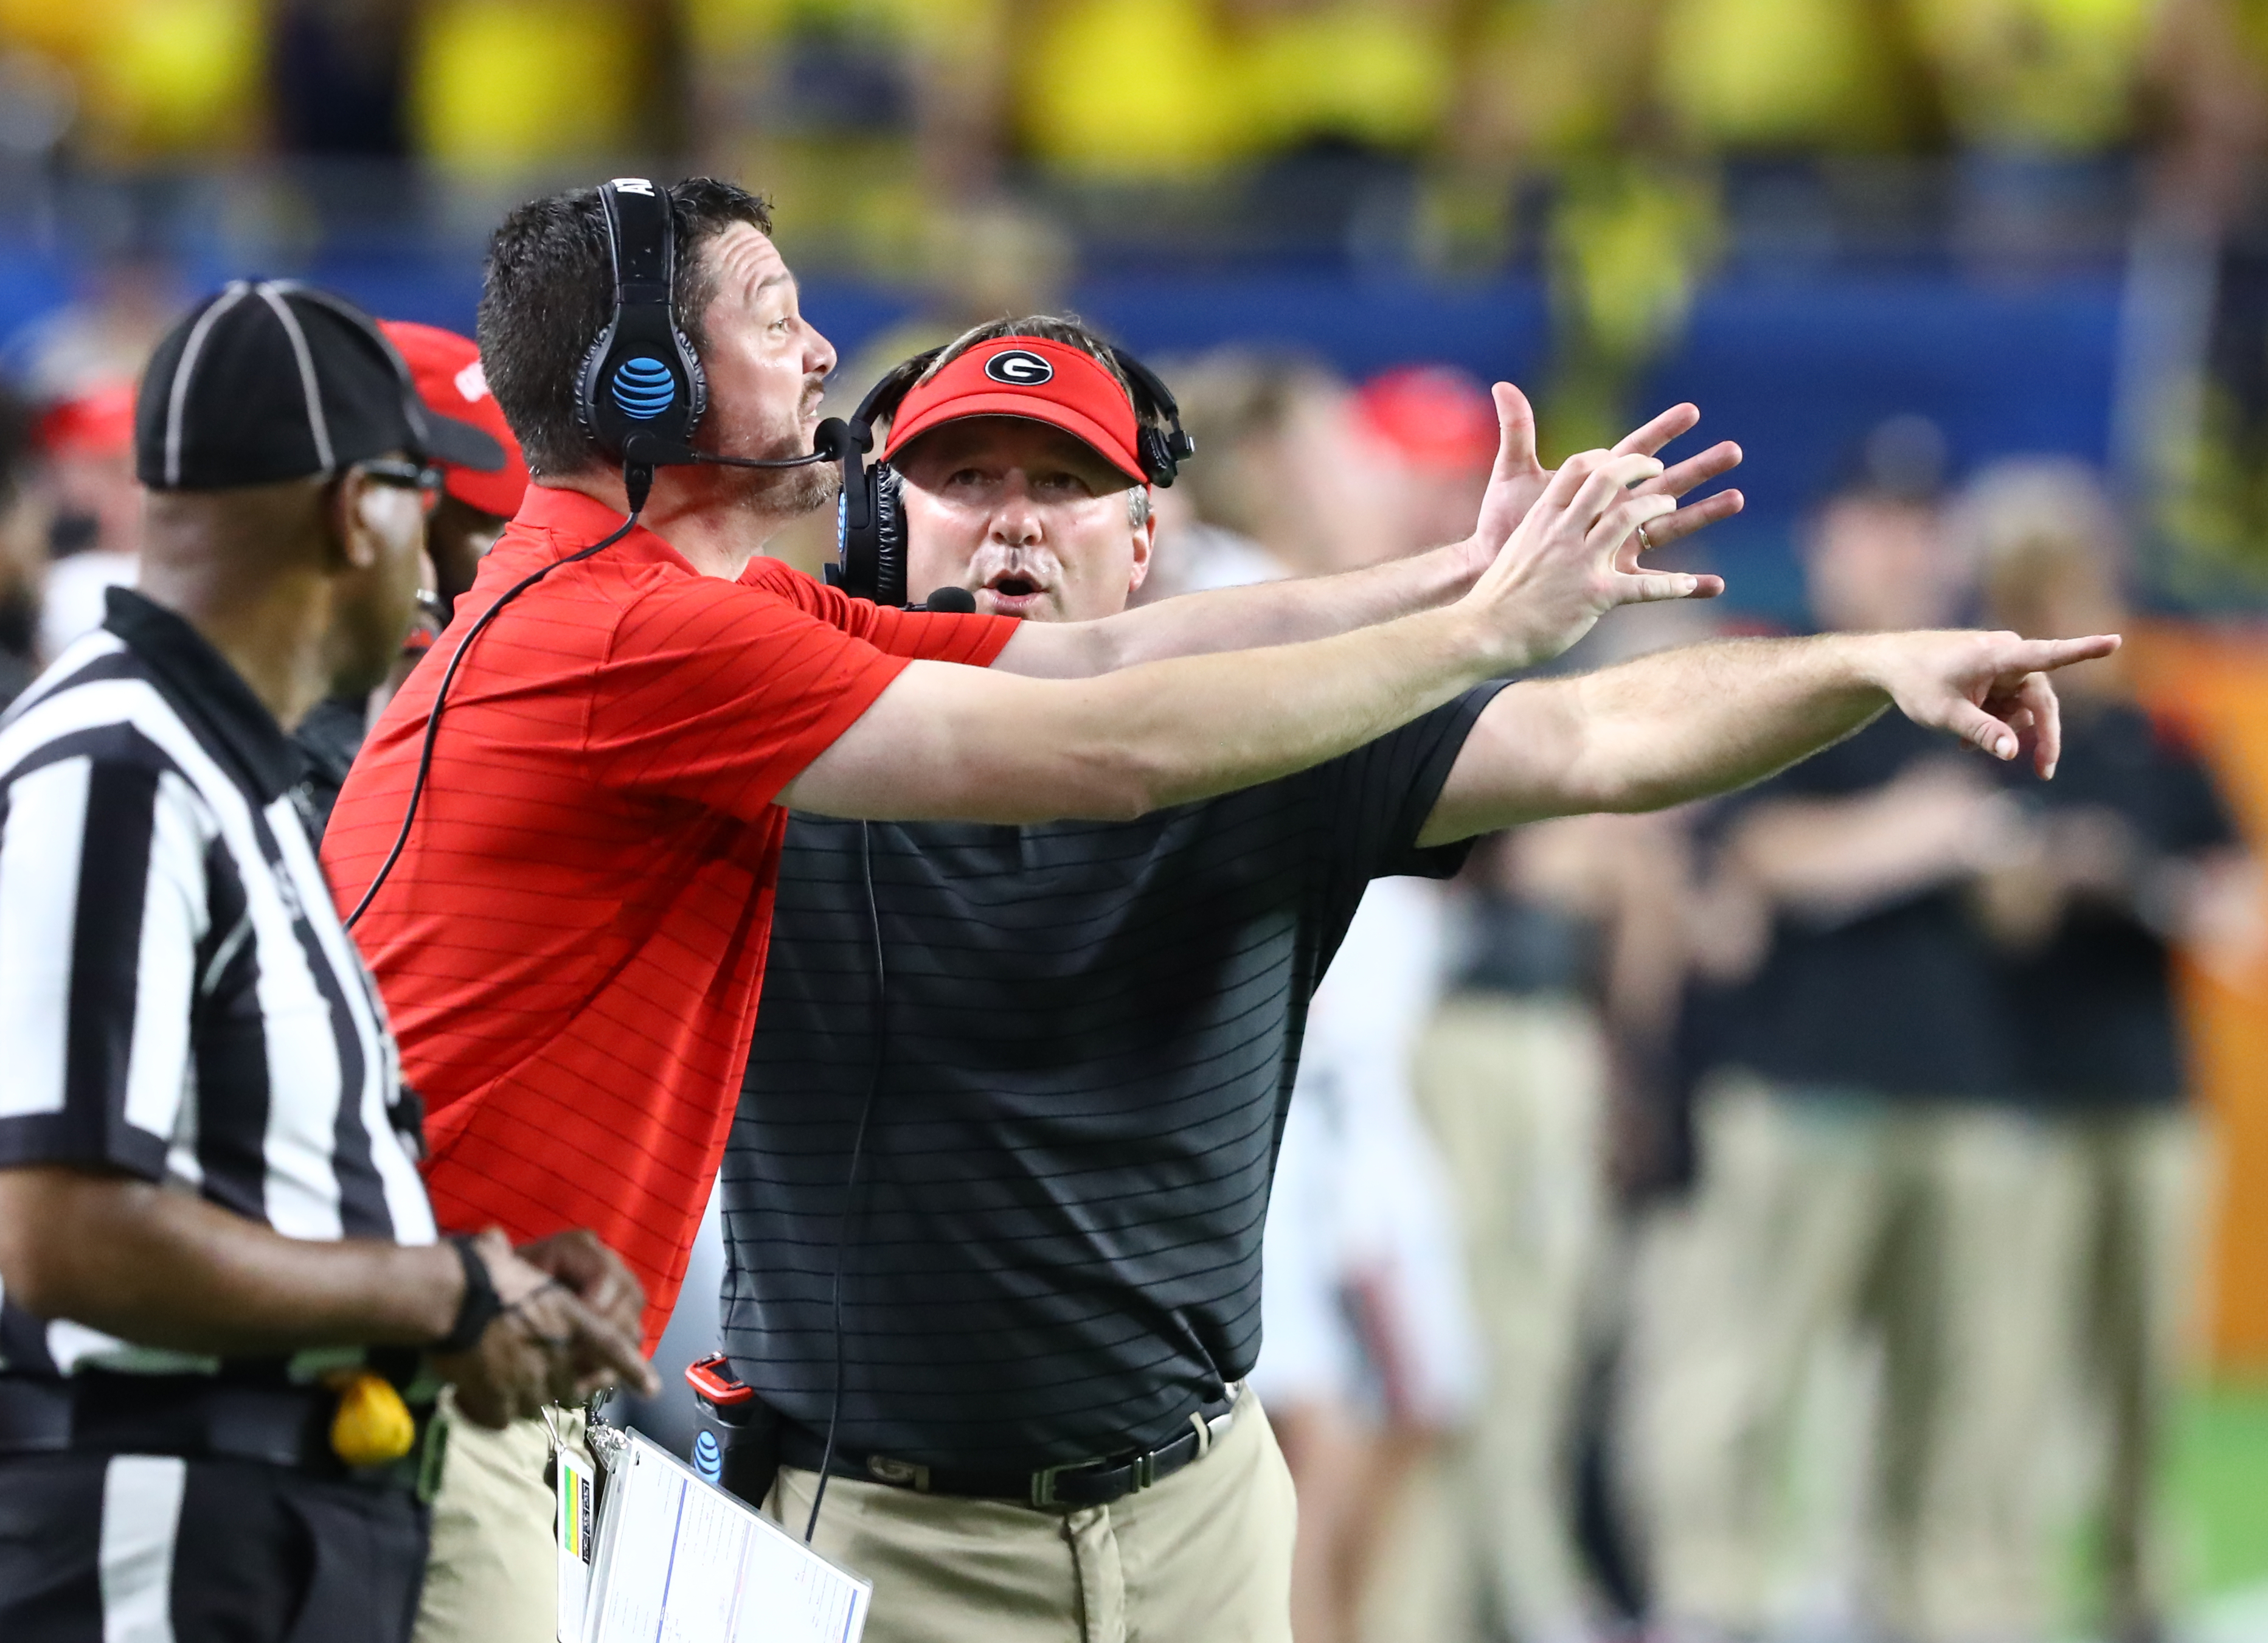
441, 700
850, 1176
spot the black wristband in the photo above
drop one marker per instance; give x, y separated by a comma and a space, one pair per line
480, 1307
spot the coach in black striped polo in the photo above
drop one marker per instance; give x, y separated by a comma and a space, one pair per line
1059, 1094
222, 1302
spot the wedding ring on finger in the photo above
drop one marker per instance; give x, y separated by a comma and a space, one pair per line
1645, 542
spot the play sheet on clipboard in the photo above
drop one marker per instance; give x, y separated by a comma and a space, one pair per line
679, 1561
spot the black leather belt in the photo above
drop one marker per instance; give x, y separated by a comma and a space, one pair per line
1077, 1483
193, 1417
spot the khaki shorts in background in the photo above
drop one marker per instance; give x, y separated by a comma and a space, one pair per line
493, 1576
1205, 1556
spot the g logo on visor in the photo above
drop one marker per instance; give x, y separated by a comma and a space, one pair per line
1018, 368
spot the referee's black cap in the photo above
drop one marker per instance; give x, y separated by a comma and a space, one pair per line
269, 380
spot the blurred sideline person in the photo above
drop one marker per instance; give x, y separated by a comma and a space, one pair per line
1556, 926
475, 503
1565, 947
1374, 1357
1289, 483
464, 517
1863, 1175
573, 942
1029, 1099
1370, 1355
219, 1277
2132, 853
1303, 475
94, 519
1433, 433
23, 548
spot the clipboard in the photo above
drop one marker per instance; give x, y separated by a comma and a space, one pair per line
675, 1559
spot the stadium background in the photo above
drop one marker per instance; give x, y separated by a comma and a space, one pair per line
2035, 224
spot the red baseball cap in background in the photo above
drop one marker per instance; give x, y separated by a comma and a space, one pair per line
97, 422
1030, 376
1434, 416
446, 368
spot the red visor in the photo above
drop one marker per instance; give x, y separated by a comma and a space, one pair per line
1066, 387
446, 368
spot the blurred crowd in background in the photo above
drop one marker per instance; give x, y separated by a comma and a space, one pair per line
1782, 1219
993, 154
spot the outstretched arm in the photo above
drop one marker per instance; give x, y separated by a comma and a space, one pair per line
1317, 607
1685, 723
969, 744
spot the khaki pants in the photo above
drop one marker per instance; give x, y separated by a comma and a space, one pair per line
1514, 1091
493, 1575
2142, 1179
1205, 1556
1941, 1231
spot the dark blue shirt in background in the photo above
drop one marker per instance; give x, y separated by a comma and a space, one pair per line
2091, 1013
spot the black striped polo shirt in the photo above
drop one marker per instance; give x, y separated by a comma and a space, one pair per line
1088, 1039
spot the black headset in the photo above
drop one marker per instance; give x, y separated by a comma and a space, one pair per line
642, 392
870, 526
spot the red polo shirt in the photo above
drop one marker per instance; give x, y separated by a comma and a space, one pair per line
572, 944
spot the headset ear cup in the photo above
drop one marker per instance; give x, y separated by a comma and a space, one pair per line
1162, 450
696, 381
586, 386
1157, 457
889, 536
591, 403
858, 546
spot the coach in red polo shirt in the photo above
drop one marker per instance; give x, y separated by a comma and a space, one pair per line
572, 940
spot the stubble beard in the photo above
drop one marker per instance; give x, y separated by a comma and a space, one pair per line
800, 491
777, 493
785, 492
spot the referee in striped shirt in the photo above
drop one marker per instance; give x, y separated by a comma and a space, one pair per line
222, 1301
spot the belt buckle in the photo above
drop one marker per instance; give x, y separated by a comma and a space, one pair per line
1144, 1466
1043, 1481
899, 1474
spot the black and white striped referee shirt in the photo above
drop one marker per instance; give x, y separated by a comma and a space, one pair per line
178, 999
